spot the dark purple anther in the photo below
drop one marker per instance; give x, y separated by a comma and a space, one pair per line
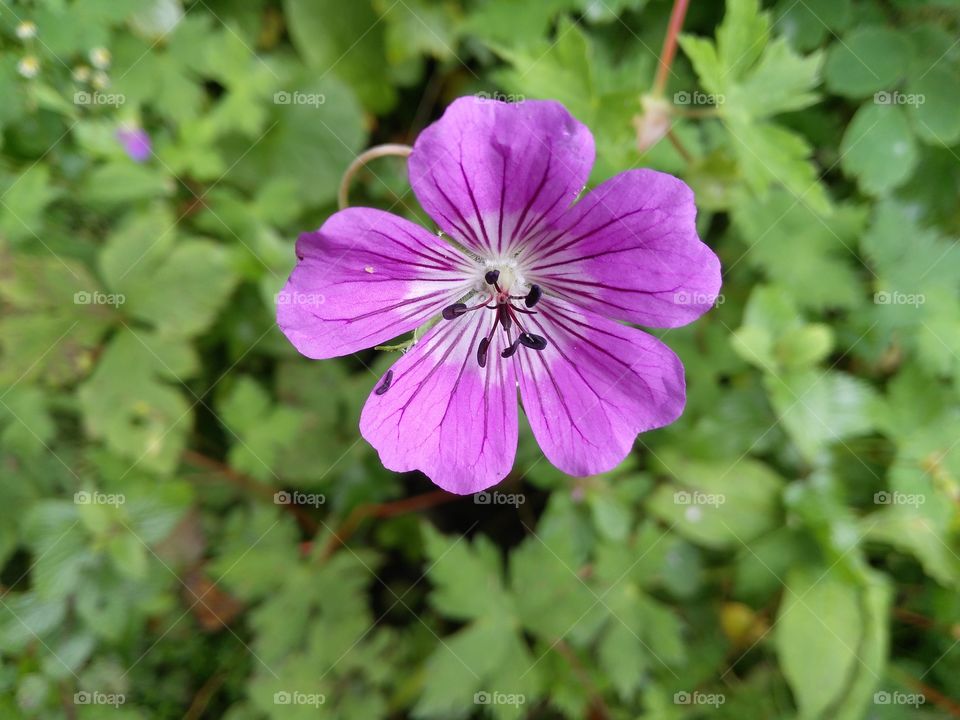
534, 342
454, 311
533, 297
385, 385
482, 352
511, 349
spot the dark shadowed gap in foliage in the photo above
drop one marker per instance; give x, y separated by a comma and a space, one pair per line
15, 574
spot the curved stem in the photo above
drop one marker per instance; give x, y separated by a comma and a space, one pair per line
378, 151
677, 15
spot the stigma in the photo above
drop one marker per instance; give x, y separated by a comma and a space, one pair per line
497, 296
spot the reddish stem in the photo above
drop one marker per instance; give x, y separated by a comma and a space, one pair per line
677, 15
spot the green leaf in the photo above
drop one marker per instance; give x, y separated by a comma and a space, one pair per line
259, 431
718, 504
125, 405
769, 154
124, 181
781, 82
807, 24
741, 36
878, 148
466, 576
818, 409
186, 291
831, 639
24, 200
866, 60
811, 258
931, 105
345, 39
311, 143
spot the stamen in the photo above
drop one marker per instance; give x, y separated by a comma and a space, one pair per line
454, 311
533, 297
491, 277
385, 385
504, 316
534, 342
482, 351
511, 349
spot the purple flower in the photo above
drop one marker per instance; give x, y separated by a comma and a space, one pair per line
530, 293
136, 143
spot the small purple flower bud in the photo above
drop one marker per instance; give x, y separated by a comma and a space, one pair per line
136, 143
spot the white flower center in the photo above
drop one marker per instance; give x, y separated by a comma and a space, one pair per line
511, 278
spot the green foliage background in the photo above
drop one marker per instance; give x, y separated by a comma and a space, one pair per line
827, 375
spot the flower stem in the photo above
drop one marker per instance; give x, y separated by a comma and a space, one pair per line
677, 15
377, 151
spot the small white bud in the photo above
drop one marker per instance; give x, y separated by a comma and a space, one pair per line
26, 30
28, 66
100, 57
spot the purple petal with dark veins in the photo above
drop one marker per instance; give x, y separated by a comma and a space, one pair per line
594, 387
366, 277
491, 172
629, 250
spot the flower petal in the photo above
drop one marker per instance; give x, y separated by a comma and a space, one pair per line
595, 387
363, 278
445, 415
629, 250
490, 172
